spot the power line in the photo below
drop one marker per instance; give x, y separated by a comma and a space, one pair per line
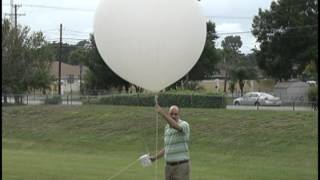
229, 17
14, 16
228, 33
81, 32
275, 30
54, 7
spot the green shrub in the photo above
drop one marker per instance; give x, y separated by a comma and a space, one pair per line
167, 99
53, 100
313, 93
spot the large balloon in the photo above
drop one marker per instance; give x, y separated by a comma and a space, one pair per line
150, 43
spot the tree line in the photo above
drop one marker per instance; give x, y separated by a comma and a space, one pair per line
287, 35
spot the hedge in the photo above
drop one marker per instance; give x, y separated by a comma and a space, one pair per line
53, 100
166, 99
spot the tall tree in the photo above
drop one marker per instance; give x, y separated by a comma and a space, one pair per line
100, 76
243, 70
288, 37
207, 63
232, 44
24, 60
41, 57
231, 53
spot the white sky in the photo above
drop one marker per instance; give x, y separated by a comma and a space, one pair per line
229, 16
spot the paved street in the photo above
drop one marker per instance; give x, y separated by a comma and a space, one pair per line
274, 108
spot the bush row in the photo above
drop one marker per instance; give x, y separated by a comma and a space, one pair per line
166, 99
53, 100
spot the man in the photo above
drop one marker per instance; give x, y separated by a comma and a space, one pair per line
175, 151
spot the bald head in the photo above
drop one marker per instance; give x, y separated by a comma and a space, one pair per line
173, 107
174, 112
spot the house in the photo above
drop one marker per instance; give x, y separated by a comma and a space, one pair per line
293, 90
71, 75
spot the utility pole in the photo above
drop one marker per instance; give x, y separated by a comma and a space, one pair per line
60, 59
14, 14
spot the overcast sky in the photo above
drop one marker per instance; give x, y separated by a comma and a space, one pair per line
77, 20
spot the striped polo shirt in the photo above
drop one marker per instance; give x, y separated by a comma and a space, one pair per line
176, 142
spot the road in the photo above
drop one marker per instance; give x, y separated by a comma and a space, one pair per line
274, 108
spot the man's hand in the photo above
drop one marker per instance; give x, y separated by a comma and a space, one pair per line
152, 158
158, 108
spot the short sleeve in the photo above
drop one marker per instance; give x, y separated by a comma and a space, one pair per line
185, 127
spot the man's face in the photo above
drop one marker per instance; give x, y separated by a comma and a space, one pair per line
174, 113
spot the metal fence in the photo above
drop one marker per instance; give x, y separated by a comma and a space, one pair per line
39, 99
69, 99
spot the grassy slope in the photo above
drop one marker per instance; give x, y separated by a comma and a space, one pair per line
93, 142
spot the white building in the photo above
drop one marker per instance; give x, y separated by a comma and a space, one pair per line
292, 91
71, 75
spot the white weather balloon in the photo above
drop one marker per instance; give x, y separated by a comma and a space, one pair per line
150, 43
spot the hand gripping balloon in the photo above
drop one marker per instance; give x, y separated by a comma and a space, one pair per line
150, 43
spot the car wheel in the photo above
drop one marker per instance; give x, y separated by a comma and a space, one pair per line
257, 104
237, 103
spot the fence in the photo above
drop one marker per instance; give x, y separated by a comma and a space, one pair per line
290, 105
39, 99
28, 99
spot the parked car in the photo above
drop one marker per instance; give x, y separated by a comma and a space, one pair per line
257, 98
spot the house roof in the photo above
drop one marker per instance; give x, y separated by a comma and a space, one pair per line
66, 69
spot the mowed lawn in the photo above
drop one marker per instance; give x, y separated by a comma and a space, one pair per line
93, 142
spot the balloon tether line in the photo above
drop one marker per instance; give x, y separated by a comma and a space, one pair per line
157, 122
122, 170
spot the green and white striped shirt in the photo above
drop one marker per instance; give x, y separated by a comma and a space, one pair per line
176, 142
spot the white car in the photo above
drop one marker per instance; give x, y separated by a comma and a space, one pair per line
257, 98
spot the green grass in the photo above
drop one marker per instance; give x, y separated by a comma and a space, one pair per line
95, 141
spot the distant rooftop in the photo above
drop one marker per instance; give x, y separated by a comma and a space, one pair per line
66, 70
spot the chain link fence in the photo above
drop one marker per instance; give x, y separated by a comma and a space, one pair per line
69, 99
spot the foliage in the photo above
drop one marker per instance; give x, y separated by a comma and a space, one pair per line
231, 53
232, 86
232, 44
25, 60
313, 93
167, 99
288, 37
238, 67
53, 100
207, 63
242, 71
310, 72
100, 76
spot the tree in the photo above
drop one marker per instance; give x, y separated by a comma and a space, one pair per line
288, 37
310, 72
24, 60
231, 53
78, 55
206, 65
232, 44
100, 76
243, 70
67, 51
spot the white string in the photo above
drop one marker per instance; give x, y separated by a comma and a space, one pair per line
122, 170
156, 151
156, 165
